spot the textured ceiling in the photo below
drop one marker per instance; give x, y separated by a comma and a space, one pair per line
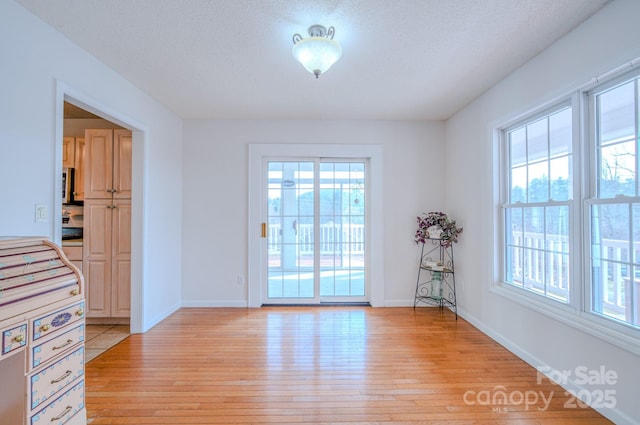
231, 59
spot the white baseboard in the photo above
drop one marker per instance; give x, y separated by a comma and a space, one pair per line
213, 304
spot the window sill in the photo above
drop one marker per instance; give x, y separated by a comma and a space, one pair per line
604, 329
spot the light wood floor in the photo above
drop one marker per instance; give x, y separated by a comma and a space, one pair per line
100, 338
319, 365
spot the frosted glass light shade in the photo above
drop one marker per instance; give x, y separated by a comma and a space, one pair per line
317, 54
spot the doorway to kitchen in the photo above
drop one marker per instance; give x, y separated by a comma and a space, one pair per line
66, 93
99, 212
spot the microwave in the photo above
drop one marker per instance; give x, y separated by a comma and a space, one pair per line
68, 178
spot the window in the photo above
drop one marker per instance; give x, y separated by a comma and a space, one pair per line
571, 209
537, 213
615, 203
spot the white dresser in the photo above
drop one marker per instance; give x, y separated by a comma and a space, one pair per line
41, 335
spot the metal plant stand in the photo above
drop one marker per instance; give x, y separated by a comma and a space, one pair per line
436, 284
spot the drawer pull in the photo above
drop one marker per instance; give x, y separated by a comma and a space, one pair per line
19, 338
75, 291
67, 373
61, 415
45, 328
66, 344
80, 313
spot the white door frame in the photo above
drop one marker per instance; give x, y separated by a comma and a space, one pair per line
257, 215
64, 92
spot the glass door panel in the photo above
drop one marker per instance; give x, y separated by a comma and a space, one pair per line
290, 237
316, 231
342, 229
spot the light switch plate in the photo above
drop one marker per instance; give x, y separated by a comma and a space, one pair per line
42, 213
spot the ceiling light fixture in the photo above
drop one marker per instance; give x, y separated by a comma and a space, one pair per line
318, 52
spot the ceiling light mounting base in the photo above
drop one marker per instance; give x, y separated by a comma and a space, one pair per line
316, 31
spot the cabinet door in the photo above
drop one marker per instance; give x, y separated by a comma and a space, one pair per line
68, 152
121, 259
122, 164
97, 249
98, 181
79, 182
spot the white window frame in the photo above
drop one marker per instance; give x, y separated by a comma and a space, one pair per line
591, 199
505, 192
577, 312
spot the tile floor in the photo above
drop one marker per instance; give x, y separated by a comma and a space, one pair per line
99, 338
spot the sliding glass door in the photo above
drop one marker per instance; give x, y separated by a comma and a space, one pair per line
316, 231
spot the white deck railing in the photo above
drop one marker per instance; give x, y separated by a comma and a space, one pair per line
333, 236
530, 270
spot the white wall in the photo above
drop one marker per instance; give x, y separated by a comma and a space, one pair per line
40, 66
215, 197
608, 39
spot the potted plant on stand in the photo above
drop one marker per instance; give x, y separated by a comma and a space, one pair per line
437, 225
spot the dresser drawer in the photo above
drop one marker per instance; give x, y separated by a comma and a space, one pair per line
44, 385
14, 337
61, 409
56, 321
46, 350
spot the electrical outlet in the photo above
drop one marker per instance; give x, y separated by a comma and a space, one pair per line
42, 213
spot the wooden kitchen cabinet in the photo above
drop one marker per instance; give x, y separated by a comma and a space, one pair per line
107, 257
107, 222
68, 152
73, 157
78, 192
108, 164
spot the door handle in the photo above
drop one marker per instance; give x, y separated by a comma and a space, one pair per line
264, 230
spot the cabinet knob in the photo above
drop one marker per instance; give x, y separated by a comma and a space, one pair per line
75, 291
45, 328
19, 338
80, 313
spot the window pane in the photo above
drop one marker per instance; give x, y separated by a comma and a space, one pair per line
616, 113
518, 147
518, 184
557, 246
635, 232
561, 187
560, 133
615, 275
537, 140
514, 226
514, 235
539, 182
617, 170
